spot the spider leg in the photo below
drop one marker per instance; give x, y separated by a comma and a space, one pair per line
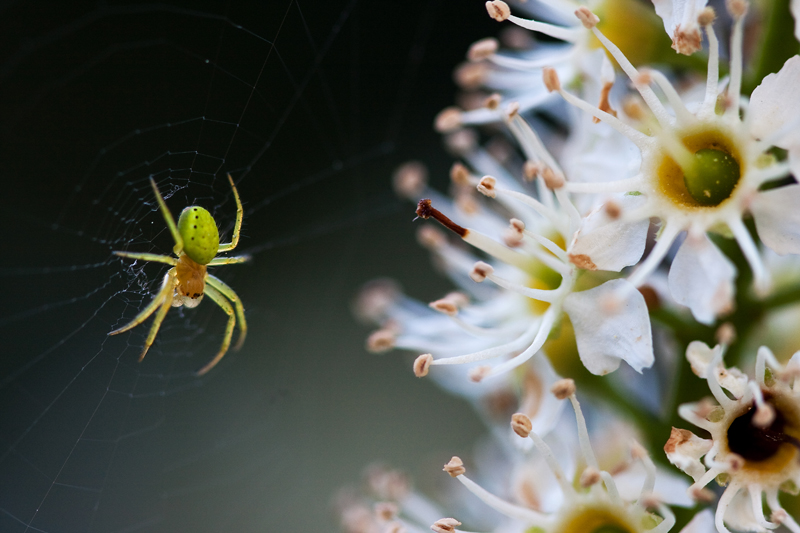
148, 257
220, 300
162, 312
167, 286
173, 228
229, 260
227, 247
231, 295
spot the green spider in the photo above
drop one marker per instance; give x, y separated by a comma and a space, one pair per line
196, 247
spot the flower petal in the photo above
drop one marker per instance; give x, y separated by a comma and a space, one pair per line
775, 105
611, 324
607, 243
777, 218
701, 278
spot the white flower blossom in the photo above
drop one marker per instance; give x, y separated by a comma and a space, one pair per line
754, 444
703, 171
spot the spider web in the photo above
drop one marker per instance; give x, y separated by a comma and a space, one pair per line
309, 106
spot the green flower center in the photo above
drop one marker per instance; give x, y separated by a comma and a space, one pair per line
712, 178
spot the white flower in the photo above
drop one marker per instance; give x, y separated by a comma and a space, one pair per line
590, 500
680, 21
703, 171
513, 75
754, 447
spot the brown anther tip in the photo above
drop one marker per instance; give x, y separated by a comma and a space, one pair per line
517, 224
385, 511
764, 416
563, 388
701, 494
521, 425
590, 476
444, 306
492, 101
477, 374
482, 49
424, 209
455, 467
409, 179
381, 341
551, 179
612, 209
480, 271
445, 525
687, 41
470, 76
459, 174
650, 501
779, 516
531, 169
487, 186
461, 141
737, 8
725, 334
512, 110
430, 237
735, 462
633, 108
587, 18
706, 16
422, 365
644, 79
448, 119
498, 10
550, 78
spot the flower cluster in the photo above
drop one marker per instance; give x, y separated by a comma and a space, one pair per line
641, 227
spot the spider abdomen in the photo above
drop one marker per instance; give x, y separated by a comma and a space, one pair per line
191, 281
200, 234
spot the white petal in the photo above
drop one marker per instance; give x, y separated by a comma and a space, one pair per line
703, 522
794, 6
701, 278
684, 449
777, 216
606, 243
775, 105
611, 324
680, 21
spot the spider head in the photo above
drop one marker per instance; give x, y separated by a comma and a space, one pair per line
186, 301
200, 234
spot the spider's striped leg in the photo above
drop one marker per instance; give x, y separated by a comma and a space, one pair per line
149, 257
220, 300
231, 295
227, 247
162, 312
166, 289
229, 260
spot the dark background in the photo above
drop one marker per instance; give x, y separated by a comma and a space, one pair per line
310, 105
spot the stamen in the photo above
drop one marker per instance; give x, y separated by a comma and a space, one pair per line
583, 435
684, 116
550, 459
536, 294
712, 81
635, 183
779, 513
647, 93
714, 385
513, 511
493, 352
548, 320
738, 9
758, 509
722, 507
659, 251
483, 49
638, 452
637, 137
742, 235
500, 11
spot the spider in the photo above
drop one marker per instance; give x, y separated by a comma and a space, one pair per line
196, 247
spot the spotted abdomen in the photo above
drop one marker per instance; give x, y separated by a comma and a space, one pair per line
200, 234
